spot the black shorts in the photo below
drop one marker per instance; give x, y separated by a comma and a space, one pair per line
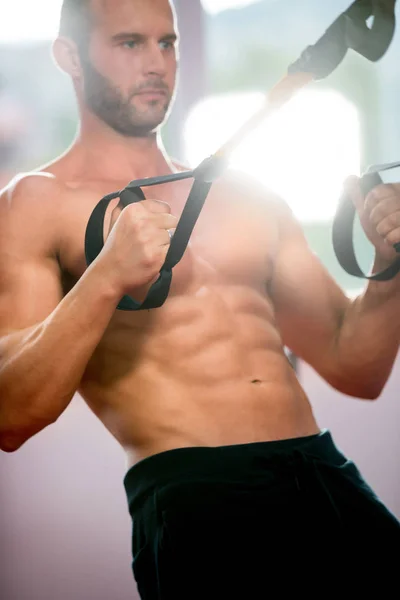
258, 520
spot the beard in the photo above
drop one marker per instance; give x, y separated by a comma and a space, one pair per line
108, 103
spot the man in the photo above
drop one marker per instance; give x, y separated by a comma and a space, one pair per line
230, 478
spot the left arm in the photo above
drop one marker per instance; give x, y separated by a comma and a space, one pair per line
352, 344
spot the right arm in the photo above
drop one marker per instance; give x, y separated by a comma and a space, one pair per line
46, 340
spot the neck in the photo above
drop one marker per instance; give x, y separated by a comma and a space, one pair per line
110, 155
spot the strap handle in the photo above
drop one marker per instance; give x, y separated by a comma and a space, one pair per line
342, 232
203, 176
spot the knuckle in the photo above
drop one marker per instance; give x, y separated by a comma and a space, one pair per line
158, 206
130, 208
142, 237
150, 258
389, 224
376, 196
393, 236
384, 226
385, 210
136, 228
172, 222
134, 210
127, 216
376, 215
137, 220
382, 229
370, 203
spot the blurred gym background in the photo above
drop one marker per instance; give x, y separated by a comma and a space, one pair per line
64, 525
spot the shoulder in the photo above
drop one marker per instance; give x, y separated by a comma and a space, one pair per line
28, 208
33, 186
32, 195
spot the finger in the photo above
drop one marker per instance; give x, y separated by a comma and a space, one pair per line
160, 216
393, 237
156, 206
389, 224
164, 221
379, 194
384, 208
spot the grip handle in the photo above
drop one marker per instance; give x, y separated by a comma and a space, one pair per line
342, 234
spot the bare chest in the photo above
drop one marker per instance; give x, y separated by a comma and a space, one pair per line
231, 244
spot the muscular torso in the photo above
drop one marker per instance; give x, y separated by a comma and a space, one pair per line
207, 368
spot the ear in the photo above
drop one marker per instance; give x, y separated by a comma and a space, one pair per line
66, 56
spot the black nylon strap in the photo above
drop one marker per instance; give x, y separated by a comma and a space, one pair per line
342, 235
203, 176
149, 181
159, 291
350, 31
190, 214
94, 237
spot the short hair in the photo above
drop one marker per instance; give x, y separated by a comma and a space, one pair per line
76, 21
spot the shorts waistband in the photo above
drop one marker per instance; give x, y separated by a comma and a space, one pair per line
218, 463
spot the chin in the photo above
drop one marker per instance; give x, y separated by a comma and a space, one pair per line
139, 130
152, 124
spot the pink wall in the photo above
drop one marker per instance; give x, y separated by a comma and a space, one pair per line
368, 432
65, 527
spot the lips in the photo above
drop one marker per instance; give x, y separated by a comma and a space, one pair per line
152, 92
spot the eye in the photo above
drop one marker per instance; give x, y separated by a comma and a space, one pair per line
130, 44
166, 45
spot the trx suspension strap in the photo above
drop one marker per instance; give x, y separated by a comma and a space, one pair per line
349, 31
342, 229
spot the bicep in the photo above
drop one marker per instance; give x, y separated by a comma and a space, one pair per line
30, 282
29, 292
309, 305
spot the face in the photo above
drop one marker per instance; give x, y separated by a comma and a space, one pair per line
130, 65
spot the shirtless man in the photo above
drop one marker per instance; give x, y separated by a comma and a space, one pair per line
222, 445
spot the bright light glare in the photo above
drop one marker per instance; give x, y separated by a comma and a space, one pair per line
32, 20
28, 20
215, 6
303, 153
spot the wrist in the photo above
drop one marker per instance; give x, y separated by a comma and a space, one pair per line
105, 284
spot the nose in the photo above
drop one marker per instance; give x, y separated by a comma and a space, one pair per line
155, 63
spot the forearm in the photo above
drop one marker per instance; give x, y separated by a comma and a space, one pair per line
369, 337
41, 367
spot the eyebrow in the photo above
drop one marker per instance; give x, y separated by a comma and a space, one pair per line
130, 35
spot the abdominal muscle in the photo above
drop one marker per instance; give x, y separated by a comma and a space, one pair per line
204, 370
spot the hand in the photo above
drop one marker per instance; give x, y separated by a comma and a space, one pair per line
379, 214
137, 245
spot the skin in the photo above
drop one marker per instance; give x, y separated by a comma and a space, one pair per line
208, 368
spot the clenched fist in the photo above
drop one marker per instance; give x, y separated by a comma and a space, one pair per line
379, 214
136, 246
